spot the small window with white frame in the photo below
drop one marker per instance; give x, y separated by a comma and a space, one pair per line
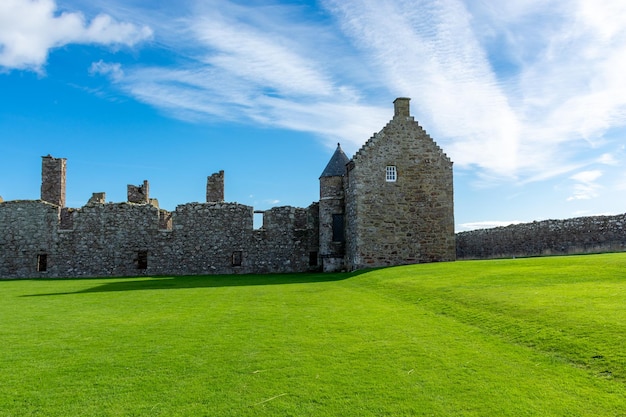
391, 174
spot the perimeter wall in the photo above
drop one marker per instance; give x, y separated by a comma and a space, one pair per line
548, 237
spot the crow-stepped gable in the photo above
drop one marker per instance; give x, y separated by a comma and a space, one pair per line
391, 204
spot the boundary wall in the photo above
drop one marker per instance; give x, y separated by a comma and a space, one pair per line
578, 235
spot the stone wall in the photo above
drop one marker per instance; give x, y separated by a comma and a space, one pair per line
28, 229
548, 237
128, 239
406, 220
139, 194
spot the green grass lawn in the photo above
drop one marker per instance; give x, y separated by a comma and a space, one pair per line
521, 337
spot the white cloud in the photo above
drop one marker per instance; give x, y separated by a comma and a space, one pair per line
549, 97
104, 68
29, 29
244, 68
487, 224
419, 52
586, 187
509, 90
608, 159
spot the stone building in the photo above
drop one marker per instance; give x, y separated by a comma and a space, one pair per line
391, 204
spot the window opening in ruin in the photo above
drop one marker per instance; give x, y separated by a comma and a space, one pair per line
237, 258
42, 262
142, 259
257, 220
391, 174
338, 234
312, 258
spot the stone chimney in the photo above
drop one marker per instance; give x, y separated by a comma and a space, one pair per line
53, 171
215, 188
401, 107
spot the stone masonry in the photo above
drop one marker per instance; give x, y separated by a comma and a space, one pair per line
391, 204
399, 198
53, 173
215, 188
139, 194
548, 237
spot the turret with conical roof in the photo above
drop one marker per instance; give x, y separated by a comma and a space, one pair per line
331, 226
336, 167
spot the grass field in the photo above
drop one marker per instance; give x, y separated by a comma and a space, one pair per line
520, 337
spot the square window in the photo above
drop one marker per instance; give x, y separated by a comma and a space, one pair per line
391, 174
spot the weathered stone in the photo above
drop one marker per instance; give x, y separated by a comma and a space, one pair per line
97, 198
139, 194
363, 220
399, 198
215, 188
547, 237
53, 173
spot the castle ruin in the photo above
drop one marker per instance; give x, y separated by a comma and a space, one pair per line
391, 204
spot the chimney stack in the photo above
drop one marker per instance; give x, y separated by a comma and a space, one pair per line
401, 107
53, 171
215, 188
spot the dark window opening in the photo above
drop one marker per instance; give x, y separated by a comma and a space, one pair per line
338, 234
142, 259
237, 258
42, 262
312, 258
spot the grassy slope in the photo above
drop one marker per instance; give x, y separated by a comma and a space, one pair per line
541, 336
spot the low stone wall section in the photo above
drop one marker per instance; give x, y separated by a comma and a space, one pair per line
42, 240
548, 237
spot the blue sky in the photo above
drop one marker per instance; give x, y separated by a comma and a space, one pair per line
527, 97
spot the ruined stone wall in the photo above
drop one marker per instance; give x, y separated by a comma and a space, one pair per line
127, 239
408, 220
205, 236
105, 240
286, 242
139, 194
548, 237
28, 229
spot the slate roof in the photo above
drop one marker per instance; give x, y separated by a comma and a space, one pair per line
337, 165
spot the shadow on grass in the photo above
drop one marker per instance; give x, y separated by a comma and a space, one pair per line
207, 281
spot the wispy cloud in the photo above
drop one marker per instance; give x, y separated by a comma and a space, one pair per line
104, 68
428, 51
30, 29
586, 186
487, 224
265, 70
510, 91
544, 105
